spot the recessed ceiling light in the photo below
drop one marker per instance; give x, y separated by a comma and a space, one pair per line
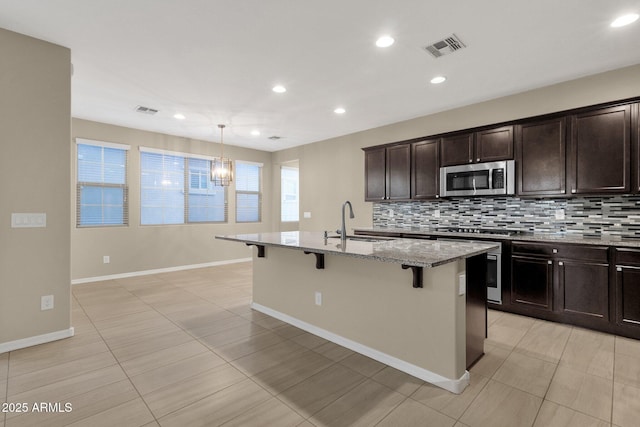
339, 110
385, 41
179, 116
279, 89
255, 132
623, 20
438, 79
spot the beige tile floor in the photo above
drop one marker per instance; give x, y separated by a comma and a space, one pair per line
185, 349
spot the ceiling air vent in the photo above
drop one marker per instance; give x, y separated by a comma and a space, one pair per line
146, 110
275, 137
446, 46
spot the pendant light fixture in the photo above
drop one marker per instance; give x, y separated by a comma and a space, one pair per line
221, 168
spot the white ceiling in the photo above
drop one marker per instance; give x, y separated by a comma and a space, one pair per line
215, 61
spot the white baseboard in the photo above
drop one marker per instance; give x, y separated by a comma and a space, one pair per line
453, 385
156, 271
38, 339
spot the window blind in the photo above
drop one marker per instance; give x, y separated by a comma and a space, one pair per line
176, 189
101, 186
248, 192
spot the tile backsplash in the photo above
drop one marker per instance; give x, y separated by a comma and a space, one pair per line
589, 216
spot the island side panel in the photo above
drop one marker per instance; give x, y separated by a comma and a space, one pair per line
372, 303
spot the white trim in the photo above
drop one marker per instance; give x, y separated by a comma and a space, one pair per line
176, 153
453, 385
38, 339
156, 271
247, 162
103, 144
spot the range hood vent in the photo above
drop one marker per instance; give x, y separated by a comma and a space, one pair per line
445, 46
146, 110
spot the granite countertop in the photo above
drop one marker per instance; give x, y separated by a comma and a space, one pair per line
411, 252
608, 240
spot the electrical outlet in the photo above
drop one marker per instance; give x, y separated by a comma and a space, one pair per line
559, 213
390, 213
318, 298
436, 213
106, 259
46, 302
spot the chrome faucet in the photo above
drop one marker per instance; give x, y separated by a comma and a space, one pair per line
343, 230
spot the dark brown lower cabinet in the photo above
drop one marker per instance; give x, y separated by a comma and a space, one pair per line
627, 278
531, 282
583, 292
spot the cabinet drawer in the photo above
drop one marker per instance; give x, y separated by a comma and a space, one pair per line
528, 248
581, 252
627, 256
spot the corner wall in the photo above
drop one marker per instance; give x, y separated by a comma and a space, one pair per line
35, 128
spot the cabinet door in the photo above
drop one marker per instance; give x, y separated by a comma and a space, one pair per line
399, 172
628, 296
456, 150
425, 170
531, 282
494, 144
600, 151
375, 175
541, 155
583, 291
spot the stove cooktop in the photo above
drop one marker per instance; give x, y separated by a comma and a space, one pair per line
478, 230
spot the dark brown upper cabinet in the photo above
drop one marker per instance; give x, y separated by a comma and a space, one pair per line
494, 144
388, 173
600, 151
425, 169
456, 150
635, 147
541, 157
483, 146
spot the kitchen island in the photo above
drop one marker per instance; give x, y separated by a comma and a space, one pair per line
403, 302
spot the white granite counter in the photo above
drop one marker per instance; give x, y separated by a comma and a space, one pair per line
411, 252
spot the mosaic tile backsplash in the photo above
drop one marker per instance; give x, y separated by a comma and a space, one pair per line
590, 216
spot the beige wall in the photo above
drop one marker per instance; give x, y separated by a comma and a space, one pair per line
35, 111
332, 171
371, 303
140, 248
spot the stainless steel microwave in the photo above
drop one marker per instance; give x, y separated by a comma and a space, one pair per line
478, 179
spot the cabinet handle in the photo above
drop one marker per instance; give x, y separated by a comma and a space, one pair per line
549, 262
573, 191
555, 251
561, 263
619, 269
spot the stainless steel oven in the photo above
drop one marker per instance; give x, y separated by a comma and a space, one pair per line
478, 179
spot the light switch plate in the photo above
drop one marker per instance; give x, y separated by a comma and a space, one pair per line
462, 284
28, 220
307, 215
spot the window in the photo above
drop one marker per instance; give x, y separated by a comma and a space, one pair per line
248, 192
175, 188
101, 198
289, 193
206, 202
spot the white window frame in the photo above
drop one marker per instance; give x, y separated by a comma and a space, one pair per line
81, 184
